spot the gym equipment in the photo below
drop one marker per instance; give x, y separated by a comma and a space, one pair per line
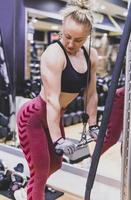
20, 194
2, 167
4, 121
4, 177
51, 194
121, 81
82, 150
18, 179
67, 120
7, 105
108, 106
79, 113
102, 91
126, 142
19, 168
31, 88
80, 154
80, 103
71, 118
36, 86
12, 180
75, 118
4, 132
4, 82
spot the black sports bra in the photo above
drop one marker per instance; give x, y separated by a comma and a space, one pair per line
71, 80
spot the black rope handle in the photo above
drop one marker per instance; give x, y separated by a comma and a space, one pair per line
108, 106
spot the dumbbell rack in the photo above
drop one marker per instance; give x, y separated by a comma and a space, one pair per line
126, 152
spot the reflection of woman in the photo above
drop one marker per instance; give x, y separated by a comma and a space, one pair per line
115, 124
64, 73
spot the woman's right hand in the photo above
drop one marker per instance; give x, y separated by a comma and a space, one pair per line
65, 146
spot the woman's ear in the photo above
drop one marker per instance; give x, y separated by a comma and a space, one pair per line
61, 30
60, 35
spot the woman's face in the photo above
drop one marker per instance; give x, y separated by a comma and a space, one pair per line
74, 35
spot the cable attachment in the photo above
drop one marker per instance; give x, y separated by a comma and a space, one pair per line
83, 139
85, 118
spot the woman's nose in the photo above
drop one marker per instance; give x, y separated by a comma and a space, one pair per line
71, 44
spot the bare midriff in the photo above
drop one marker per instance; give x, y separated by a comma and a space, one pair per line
65, 98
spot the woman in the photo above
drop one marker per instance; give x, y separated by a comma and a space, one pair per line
64, 73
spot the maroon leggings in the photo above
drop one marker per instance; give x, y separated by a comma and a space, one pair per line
37, 146
115, 124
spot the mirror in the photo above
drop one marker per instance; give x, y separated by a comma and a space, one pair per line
41, 30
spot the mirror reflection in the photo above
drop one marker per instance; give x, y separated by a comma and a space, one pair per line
41, 31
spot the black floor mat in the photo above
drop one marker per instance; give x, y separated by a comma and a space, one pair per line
50, 194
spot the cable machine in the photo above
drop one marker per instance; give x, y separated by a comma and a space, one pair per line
126, 152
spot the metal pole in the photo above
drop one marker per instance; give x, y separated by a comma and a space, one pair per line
108, 106
126, 151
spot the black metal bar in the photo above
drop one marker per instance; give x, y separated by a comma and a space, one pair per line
108, 106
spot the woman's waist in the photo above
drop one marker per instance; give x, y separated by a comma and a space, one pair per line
65, 98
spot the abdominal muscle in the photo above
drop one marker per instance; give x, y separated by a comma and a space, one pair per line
65, 98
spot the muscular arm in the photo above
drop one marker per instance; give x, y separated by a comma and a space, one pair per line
52, 63
92, 98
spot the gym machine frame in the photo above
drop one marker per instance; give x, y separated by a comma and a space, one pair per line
126, 151
107, 112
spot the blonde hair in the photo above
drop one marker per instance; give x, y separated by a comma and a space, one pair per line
79, 10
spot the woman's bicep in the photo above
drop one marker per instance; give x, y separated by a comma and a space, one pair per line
51, 70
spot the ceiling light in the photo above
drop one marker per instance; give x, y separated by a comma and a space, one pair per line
125, 13
34, 20
54, 27
102, 7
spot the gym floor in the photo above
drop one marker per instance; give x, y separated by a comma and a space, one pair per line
109, 166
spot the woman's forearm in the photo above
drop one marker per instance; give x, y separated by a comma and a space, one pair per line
92, 109
53, 120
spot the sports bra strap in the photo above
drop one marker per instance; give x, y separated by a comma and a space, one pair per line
63, 49
88, 62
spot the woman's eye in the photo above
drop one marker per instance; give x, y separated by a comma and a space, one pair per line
78, 41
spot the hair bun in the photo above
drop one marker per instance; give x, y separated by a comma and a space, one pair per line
80, 10
85, 4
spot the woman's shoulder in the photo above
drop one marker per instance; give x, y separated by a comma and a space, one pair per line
92, 50
93, 54
53, 49
53, 55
